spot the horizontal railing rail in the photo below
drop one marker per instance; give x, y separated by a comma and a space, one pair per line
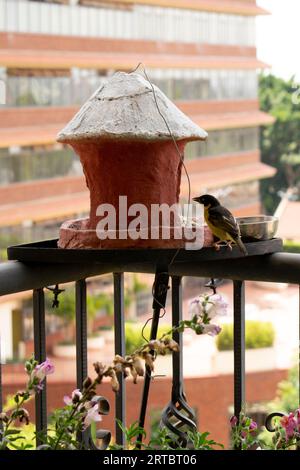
17, 277
279, 267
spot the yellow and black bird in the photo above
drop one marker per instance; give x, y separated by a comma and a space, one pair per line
221, 222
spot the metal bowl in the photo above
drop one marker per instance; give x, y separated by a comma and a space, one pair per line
259, 227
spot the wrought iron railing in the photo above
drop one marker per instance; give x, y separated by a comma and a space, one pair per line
16, 277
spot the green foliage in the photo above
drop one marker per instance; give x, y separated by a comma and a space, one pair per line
287, 395
3, 254
27, 99
163, 440
243, 432
292, 159
291, 247
133, 335
66, 308
15, 433
8, 239
258, 335
280, 143
138, 286
286, 400
132, 291
131, 434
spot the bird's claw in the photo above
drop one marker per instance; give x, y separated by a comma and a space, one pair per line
229, 244
217, 246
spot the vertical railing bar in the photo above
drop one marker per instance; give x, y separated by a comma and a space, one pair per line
40, 355
81, 345
81, 332
298, 446
119, 326
1, 389
239, 345
159, 293
177, 359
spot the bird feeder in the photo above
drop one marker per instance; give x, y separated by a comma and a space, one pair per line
126, 150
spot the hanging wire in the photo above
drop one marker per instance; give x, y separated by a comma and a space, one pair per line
181, 156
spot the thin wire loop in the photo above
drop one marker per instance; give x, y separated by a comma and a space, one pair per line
181, 156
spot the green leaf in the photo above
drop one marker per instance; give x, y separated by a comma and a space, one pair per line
9, 432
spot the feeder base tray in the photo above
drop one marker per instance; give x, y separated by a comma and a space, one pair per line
48, 252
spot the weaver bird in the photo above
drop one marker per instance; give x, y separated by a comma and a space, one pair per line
221, 222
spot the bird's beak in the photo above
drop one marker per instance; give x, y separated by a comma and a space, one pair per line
196, 199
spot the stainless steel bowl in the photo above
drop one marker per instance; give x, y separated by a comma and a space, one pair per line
259, 227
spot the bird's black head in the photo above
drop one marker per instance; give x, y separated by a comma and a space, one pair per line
207, 200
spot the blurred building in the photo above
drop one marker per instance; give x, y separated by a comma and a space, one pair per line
54, 54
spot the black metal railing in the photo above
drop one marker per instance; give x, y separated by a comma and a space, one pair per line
16, 277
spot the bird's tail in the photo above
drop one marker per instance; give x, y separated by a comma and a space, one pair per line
241, 246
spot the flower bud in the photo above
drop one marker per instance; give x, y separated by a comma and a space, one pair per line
114, 381
149, 361
24, 416
233, 421
99, 368
138, 365
87, 383
171, 344
3, 417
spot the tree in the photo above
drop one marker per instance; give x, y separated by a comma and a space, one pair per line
280, 142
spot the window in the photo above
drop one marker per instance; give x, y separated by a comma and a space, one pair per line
63, 88
135, 22
32, 163
224, 141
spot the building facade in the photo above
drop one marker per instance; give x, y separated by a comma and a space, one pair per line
53, 56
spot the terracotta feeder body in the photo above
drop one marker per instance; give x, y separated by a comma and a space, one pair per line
126, 150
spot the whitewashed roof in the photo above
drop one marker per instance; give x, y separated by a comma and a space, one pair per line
124, 108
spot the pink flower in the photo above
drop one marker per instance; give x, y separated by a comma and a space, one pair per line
253, 426
289, 423
75, 397
195, 307
92, 416
233, 421
218, 306
67, 400
42, 370
297, 416
211, 329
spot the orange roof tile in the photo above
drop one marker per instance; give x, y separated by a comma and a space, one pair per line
214, 179
212, 122
217, 6
103, 60
46, 134
31, 135
44, 209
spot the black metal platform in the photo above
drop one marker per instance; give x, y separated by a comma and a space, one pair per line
48, 252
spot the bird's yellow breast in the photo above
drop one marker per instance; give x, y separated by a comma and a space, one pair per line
218, 232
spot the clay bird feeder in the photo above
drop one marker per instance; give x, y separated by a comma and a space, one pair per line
126, 150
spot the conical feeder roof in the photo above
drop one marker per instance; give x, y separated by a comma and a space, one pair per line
124, 108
